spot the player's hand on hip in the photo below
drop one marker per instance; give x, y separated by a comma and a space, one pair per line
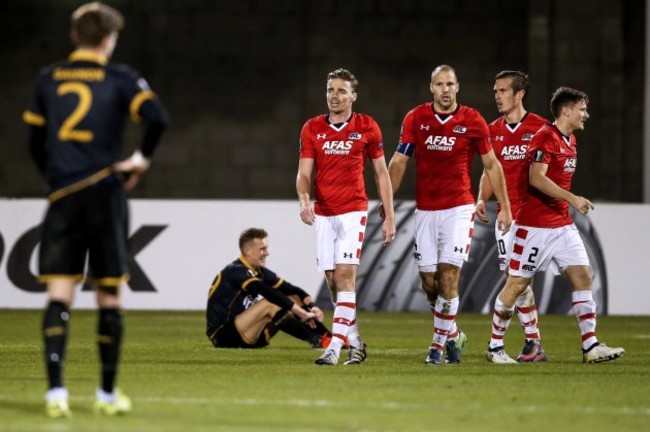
307, 213
132, 169
481, 211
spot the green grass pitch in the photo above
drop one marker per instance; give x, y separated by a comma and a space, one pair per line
178, 382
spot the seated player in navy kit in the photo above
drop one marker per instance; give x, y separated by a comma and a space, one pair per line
248, 303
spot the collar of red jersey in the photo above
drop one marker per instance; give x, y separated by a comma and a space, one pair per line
87, 55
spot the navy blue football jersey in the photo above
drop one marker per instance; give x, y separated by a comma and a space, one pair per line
230, 293
84, 104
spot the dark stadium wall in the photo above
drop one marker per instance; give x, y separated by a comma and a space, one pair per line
241, 77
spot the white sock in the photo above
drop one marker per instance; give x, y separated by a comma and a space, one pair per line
56, 393
104, 396
584, 308
443, 320
344, 314
527, 313
500, 321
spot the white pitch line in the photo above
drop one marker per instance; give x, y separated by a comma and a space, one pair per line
384, 405
303, 403
389, 405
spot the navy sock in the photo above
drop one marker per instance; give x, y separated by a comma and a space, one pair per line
109, 339
55, 334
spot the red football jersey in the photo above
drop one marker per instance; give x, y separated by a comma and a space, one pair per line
510, 142
339, 153
559, 152
444, 146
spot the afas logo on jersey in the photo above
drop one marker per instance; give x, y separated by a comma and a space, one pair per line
440, 143
514, 152
570, 164
460, 129
337, 147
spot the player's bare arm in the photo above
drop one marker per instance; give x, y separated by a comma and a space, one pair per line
539, 180
396, 170
498, 183
385, 190
484, 193
303, 187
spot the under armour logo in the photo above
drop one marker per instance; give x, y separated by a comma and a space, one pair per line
347, 255
458, 249
424, 127
321, 136
498, 138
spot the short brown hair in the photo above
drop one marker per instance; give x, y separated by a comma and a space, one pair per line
250, 234
519, 80
566, 96
345, 75
92, 22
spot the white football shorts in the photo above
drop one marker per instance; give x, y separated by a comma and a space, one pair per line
535, 249
504, 245
443, 236
339, 239
504, 248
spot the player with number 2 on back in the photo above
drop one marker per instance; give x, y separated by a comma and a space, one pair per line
77, 119
510, 136
544, 231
